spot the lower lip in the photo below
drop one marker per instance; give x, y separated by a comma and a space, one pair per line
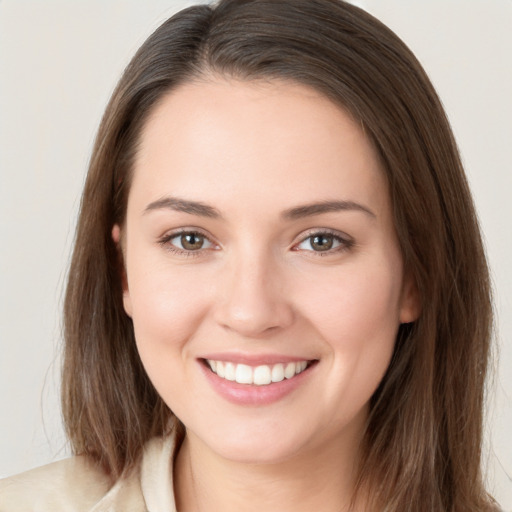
247, 394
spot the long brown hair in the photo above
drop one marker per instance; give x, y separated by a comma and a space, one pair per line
422, 447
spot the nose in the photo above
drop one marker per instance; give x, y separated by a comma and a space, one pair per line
252, 300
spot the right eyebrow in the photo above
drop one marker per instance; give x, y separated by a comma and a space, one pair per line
183, 205
312, 209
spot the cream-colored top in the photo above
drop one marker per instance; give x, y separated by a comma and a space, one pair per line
76, 485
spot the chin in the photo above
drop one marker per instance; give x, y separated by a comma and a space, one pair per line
258, 453
251, 444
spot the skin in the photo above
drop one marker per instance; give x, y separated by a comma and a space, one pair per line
259, 286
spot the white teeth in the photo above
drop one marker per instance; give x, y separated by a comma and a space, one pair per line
230, 371
260, 375
289, 371
277, 373
243, 374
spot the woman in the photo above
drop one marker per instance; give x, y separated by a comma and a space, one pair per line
278, 296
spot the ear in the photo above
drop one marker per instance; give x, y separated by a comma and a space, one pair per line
116, 237
410, 305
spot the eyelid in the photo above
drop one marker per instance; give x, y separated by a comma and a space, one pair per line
165, 241
346, 241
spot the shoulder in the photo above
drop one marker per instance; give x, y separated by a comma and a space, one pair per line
70, 484
74, 484
79, 485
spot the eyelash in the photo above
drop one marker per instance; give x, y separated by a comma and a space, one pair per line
165, 242
345, 243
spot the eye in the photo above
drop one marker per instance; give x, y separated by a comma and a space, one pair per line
186, 242
324, 242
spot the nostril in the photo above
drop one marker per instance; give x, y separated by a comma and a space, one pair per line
254, 316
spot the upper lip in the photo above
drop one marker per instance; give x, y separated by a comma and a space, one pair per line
254, 359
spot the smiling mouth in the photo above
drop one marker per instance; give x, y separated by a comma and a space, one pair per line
261, 375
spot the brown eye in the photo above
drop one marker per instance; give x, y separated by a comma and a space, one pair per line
187, 243
192, 241
322, 242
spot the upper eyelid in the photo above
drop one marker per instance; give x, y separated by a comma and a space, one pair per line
346, 242
165, 241
180, 231
323, 231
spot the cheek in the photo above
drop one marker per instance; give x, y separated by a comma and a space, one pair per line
166, 308
356, 306
357, 317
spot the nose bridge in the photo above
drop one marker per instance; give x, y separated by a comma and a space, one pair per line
253, 298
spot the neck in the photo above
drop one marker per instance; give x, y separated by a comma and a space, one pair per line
321, 478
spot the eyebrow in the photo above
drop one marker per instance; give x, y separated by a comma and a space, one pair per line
308, 210
298, 212
182, 205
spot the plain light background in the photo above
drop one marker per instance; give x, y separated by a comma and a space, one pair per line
59, 61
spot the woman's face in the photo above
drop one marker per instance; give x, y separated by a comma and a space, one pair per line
259, 242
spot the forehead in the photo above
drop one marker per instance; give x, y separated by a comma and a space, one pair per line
223, 139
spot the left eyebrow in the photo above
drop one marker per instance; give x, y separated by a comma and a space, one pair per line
183, 205
308, 210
